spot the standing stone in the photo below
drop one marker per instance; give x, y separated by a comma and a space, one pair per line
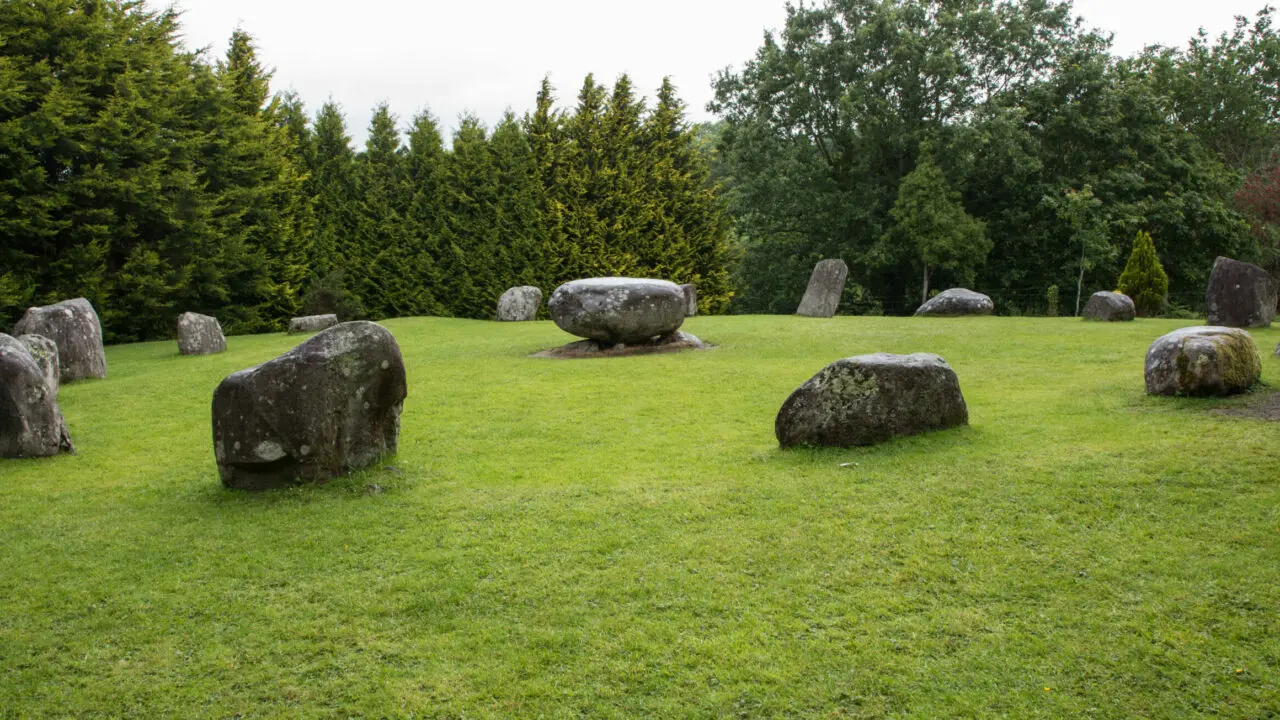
31, 424
200, 335
690, 299
1110, 307
826, 285
1240, 295
615, 310
330, 405
519, 304
956, 302
45, 352
73, 326
1203, 361
870, 398
311, 323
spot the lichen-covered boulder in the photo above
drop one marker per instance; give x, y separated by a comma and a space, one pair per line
956, 302
200, 335
690, 299
615, 310
45, 352
330, 405
870, 398
312, 323
519, 304
74, 327
826, 286
31, 425
1240, 295
1110, 307
1205, 361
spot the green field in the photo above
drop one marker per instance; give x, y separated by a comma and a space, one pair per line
622, 538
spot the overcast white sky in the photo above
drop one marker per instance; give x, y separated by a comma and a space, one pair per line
484, 57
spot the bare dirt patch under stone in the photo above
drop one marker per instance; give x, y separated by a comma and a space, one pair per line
1261, 406
673, 342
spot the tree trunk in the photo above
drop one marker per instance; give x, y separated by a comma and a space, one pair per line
1079, 289
924, 294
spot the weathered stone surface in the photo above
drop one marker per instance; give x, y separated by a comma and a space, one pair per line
519, 304
200, 335
311, 323
1203, 361
690, 299
955, 303
45, 352
326, 407
870, 398
1240, 295
826, 285
671, 342
74, 327
615, 310
31, 424
1110, 307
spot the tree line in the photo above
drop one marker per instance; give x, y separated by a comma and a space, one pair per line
153, 180
993, 144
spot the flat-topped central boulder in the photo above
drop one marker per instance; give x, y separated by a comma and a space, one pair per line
1109, 307
1240, 295
616, 310
956, 302
200, 335
1202, 361
31, 424
326, 407
312, 323
870, 398
826, 286
74, 327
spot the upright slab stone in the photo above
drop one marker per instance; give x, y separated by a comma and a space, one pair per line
690, 299
1109, 307
826, 286
1240, 295
1203, 361
618, 310
519, 304
311, 323
330, 405
31, 424
870, 398
200, 335
45, 352
956, 302
74, 327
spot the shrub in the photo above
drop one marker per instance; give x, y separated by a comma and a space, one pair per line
1144, 279
330, 295
1051, 295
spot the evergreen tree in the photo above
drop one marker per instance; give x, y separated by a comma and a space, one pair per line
378, 254
426, 173
472, 255
1144, 279
331, 183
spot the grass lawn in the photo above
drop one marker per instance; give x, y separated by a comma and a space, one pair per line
623, 538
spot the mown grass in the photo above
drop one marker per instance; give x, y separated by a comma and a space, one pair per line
622, 538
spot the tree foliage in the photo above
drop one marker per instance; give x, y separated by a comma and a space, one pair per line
1144, 279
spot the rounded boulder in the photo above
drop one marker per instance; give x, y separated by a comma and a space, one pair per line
31, 424
519, 304
956, 302
1202, 361
200, 335
618, 310
74, 327
1109, 307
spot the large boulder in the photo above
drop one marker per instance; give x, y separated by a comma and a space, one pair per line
1110, 307
616, 310
870, 398
326, 407
31, 424
955, 303
312, 323
826, 285
1240, 295
1203, 361
200, 335
519, 304
45, 352
74, 327
690, 299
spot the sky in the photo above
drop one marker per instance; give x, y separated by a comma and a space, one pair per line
486, 57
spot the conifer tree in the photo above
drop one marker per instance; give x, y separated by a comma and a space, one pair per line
331, 183
1144, 279
378, 253
518, 222
471, 255
426, 173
